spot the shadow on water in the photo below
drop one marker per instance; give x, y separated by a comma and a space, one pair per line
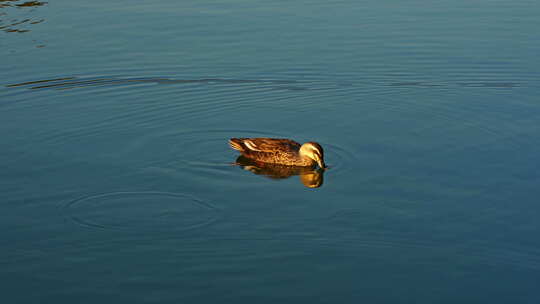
310, 177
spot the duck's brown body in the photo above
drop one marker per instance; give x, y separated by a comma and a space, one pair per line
279, 151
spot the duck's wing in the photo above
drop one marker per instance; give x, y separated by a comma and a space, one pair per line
263, 144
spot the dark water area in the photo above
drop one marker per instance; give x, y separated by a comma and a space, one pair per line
117, 184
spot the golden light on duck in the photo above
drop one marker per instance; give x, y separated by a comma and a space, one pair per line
280, 151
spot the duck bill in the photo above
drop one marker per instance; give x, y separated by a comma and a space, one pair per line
321, 164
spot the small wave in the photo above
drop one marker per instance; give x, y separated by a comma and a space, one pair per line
141, 211
65, 83
338, 158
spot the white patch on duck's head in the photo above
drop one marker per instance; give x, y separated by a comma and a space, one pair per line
313, 151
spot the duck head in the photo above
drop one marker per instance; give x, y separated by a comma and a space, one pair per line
313, 151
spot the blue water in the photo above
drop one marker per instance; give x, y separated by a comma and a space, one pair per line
117, 184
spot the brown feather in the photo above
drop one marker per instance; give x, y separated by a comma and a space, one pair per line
272, 145
271, 150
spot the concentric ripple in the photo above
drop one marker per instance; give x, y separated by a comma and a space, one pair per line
338, 158
206, 153
142, 211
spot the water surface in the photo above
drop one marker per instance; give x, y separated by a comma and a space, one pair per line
117, 183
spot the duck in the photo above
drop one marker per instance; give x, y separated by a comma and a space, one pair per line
280, 151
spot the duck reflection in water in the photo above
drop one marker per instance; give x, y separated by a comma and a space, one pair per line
310, 177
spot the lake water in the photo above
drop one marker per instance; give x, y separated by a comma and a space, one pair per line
117, 184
